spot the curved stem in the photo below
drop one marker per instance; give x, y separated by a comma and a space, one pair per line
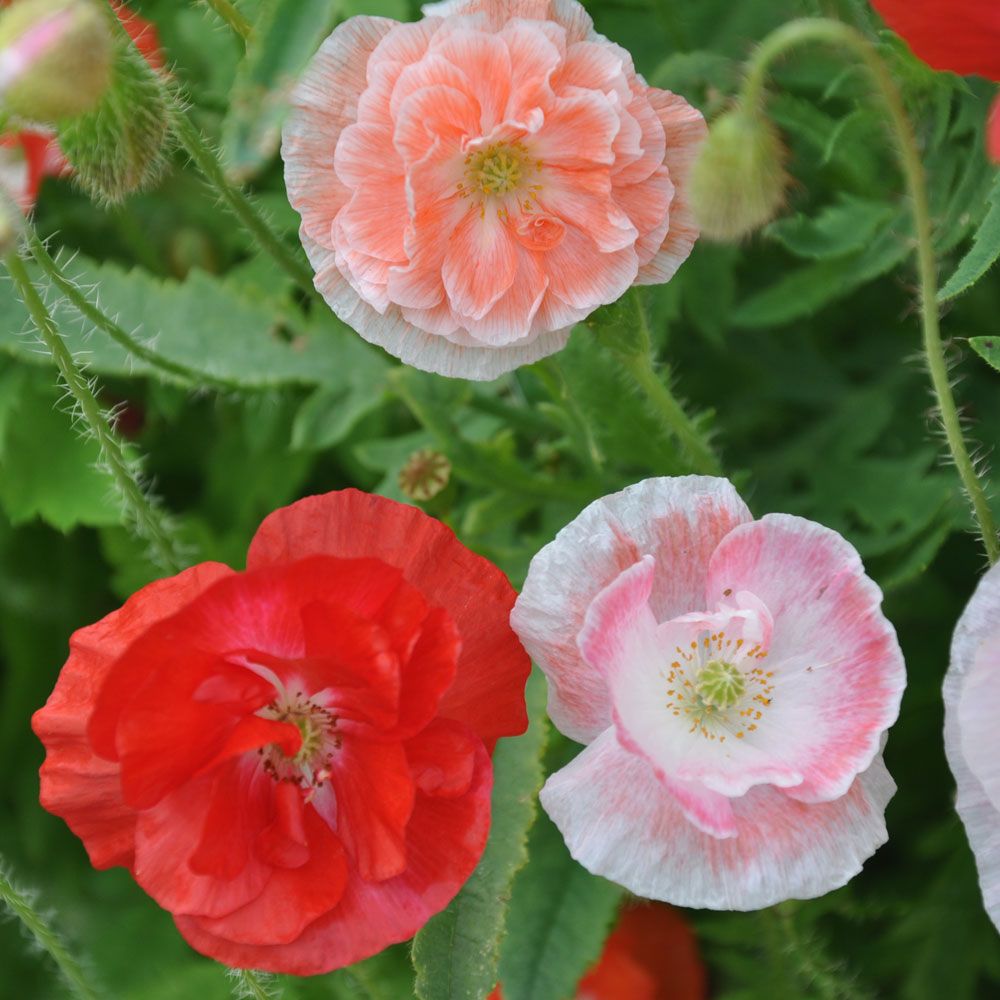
834, 32
228, 12
71, 291
19, 904
205, 159
149, 520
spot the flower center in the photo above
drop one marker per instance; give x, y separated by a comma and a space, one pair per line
497, 169
310, 767
720, 684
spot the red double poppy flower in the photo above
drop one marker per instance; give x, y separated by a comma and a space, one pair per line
294, 760
960, 36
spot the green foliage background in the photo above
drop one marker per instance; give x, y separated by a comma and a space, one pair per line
799, 350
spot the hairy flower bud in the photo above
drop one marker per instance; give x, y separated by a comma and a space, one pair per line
118, 148
55, 58
738, 183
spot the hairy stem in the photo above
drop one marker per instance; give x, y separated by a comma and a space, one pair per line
148, 519
654, 385
806, 31
20, 905
71, 291
226, 10
251, 985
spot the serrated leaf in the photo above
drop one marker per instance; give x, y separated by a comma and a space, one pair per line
286, 36
988, 348
842, 228
47, 469
982, 254
203, 323
456, 952
558, 920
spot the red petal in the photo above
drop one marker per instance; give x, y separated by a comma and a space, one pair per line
292, 899
282, 843
76, 784
429, 672
993, 132
443, 757
962, 36
488, 691
375, 794
142, 32
445, 840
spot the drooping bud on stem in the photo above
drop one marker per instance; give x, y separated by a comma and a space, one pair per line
55, 58
118, 148
739, 179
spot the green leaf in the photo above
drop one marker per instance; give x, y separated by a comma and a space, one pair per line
286, 36
47, 469
204, 324
456, 952
988, 348
804, 291
558, 919
983, 253
844, 227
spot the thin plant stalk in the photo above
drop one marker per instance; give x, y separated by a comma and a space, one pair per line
150, 522
228, 12
809, 30
72, 972
72, 293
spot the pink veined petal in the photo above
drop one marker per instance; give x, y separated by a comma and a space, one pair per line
579, 132
365, 150
485, 61
511, 317
621, 823
536, 49
685, 131
323, 105
970, 692
583, 198
679, 521
648, 205
584, 277
838, 670
374, 220
568, 13
620, 639
431, 114
653, 141
481, 264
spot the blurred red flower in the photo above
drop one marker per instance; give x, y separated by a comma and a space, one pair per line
960, 36
294, 760
27, 157
652, 954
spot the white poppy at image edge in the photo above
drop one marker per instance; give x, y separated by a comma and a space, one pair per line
733, 680
971, 710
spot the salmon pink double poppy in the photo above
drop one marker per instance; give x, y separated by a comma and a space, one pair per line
473, 185
733, 680
960, 36
294, 760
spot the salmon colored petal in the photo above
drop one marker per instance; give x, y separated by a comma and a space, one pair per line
487, 694
76, 784
480, 265
371, 916
962, 36
971, 694
485, 61
583, 276
621, 823
512, 317
838, 670
678, 521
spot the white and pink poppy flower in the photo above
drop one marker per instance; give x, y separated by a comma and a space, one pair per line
971, 710
474, 184
733, 680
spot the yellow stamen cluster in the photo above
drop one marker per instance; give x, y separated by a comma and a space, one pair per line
499, 170
310, 767
717, 686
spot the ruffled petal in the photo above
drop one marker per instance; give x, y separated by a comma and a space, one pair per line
679, 521
621, 823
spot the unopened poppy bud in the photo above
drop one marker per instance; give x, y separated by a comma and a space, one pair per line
425, 475
738, 182
55, 58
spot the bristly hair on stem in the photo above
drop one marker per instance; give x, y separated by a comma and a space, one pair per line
142, 513
249, 984
20, 904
